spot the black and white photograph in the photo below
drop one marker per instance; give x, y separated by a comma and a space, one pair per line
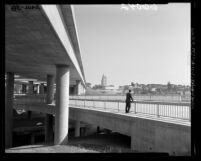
98, 78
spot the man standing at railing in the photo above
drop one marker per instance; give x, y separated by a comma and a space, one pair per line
129, 98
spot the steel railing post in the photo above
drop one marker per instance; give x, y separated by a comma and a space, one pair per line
190, 113
157, 108
135, 107
118, 106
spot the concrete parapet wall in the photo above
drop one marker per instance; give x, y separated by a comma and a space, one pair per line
146, 135
37, 107
174, 138
155, 136
106, 120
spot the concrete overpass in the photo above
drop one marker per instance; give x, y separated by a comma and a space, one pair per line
148, 134
41, 43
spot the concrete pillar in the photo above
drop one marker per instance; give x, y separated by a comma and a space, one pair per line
32, 139
77, 87
24, 88
9, 109
29, 113
30, 89
42, 88
49, 128
98, 129
62, 104
90, 129
77, 128
48, 117
38, 89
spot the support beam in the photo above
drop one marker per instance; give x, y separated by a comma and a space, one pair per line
32, 139
24, 88
29, 113
49, 128
62, 104
42, 88
77, 128
9, 109
38, 89
30, 89
30, 92
48, 117
77, 87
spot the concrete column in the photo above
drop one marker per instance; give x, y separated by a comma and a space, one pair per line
62, 104
98, 129
42, 88
77, 128
77, 87
30, 89
29, 113
48, 117
38, 89
24, 88
9, 109
90, 129
32, 139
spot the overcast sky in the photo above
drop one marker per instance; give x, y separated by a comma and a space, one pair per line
144, 46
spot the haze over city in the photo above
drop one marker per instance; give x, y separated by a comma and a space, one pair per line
143, 46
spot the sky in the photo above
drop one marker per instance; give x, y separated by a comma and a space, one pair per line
140, 46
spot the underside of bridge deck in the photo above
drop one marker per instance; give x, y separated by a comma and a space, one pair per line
41, 41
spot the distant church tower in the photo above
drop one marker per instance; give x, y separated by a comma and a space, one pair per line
104, 80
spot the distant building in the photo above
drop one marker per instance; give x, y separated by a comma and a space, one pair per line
97, 86
187, 93
121, 87
88, 85
153, 89
104, 81
110, 87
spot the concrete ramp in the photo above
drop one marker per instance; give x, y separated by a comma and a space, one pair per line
146, 135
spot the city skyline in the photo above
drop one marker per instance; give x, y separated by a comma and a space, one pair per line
144, 46
139, 83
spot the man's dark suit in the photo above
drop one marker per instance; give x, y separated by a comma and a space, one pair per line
128, 101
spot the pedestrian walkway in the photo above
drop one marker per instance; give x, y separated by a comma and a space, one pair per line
48, 148
141, 115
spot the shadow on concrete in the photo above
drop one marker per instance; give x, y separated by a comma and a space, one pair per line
32, 146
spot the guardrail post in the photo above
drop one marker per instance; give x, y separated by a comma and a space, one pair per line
84, 103
190, 113
93, 104
105, 105
157, 110
180, 98
118, 106
135, 107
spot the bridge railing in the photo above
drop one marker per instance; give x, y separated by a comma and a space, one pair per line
175, 98
30, 98
179, 110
